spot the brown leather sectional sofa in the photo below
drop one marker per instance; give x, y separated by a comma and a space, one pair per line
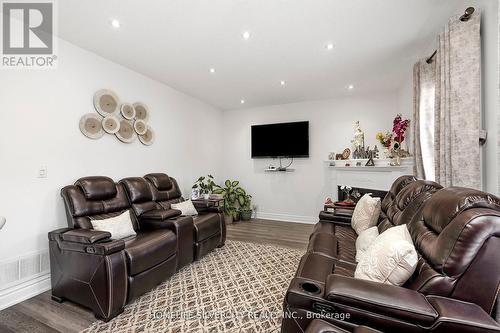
456, 232
93, 270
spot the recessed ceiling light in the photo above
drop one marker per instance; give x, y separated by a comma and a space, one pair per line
329, 46
282, 82
242, 101
115, 23
246, 35
212, 70
350, 87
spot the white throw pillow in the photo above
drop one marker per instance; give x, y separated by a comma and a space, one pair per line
391, 259
186, 208
119, 226
365, 213
364, 240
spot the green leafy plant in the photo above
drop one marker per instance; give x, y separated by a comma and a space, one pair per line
245, 202
206, 184
234, 196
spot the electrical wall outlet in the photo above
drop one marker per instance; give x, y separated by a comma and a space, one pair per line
42, 172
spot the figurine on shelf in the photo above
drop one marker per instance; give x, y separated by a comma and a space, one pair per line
370, 161
328, 201
358, 140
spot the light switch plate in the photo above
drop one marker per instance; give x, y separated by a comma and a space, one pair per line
42, 172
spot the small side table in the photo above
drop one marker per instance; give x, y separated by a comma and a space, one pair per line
339, 209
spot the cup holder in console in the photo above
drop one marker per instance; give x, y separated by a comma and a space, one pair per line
310, 287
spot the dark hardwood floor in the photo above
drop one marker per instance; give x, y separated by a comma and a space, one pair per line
40, 314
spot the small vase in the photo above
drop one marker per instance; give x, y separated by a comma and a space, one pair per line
386, 152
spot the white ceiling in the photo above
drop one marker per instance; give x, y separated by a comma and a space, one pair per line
178, 41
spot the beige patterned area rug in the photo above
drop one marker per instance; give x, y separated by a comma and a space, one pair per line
237, 288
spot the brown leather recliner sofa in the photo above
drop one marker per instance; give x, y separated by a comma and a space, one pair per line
103, 274
456, 232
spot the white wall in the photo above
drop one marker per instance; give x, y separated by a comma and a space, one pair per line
39, 115
491, 118
299, 196
490, 102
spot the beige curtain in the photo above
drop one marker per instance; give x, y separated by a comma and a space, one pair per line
457, 113
424, 85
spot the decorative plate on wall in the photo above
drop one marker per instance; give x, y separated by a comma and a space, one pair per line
106, 103
91, 126
148, 138
140, 127
126, 133
111, 124
141, 111
128, 111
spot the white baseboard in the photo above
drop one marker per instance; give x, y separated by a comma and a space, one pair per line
24, 290
288, 218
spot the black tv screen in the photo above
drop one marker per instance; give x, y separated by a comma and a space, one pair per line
281, 140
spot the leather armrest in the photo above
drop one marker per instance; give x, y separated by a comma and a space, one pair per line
159, 219
160, 214
334, 218
383, 299
468, 316
85, 236
56, 234
86, 241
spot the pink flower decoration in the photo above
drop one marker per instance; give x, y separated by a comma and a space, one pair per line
399, 128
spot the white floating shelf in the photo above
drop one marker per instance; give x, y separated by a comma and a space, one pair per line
381, 163
277, 170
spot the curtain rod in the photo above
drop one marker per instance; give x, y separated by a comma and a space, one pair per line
464, 18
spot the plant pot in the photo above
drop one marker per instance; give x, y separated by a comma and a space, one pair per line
246, 215
236, 217
228, 218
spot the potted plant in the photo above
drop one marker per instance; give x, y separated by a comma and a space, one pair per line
232, 195
205, 185
245, 202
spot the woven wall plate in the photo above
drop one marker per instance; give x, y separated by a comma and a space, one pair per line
141, 111
140, 127
106, 103
126, 133
91, 126
128, 111
148, 138
111, 124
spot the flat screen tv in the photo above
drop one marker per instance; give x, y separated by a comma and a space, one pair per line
280, 140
